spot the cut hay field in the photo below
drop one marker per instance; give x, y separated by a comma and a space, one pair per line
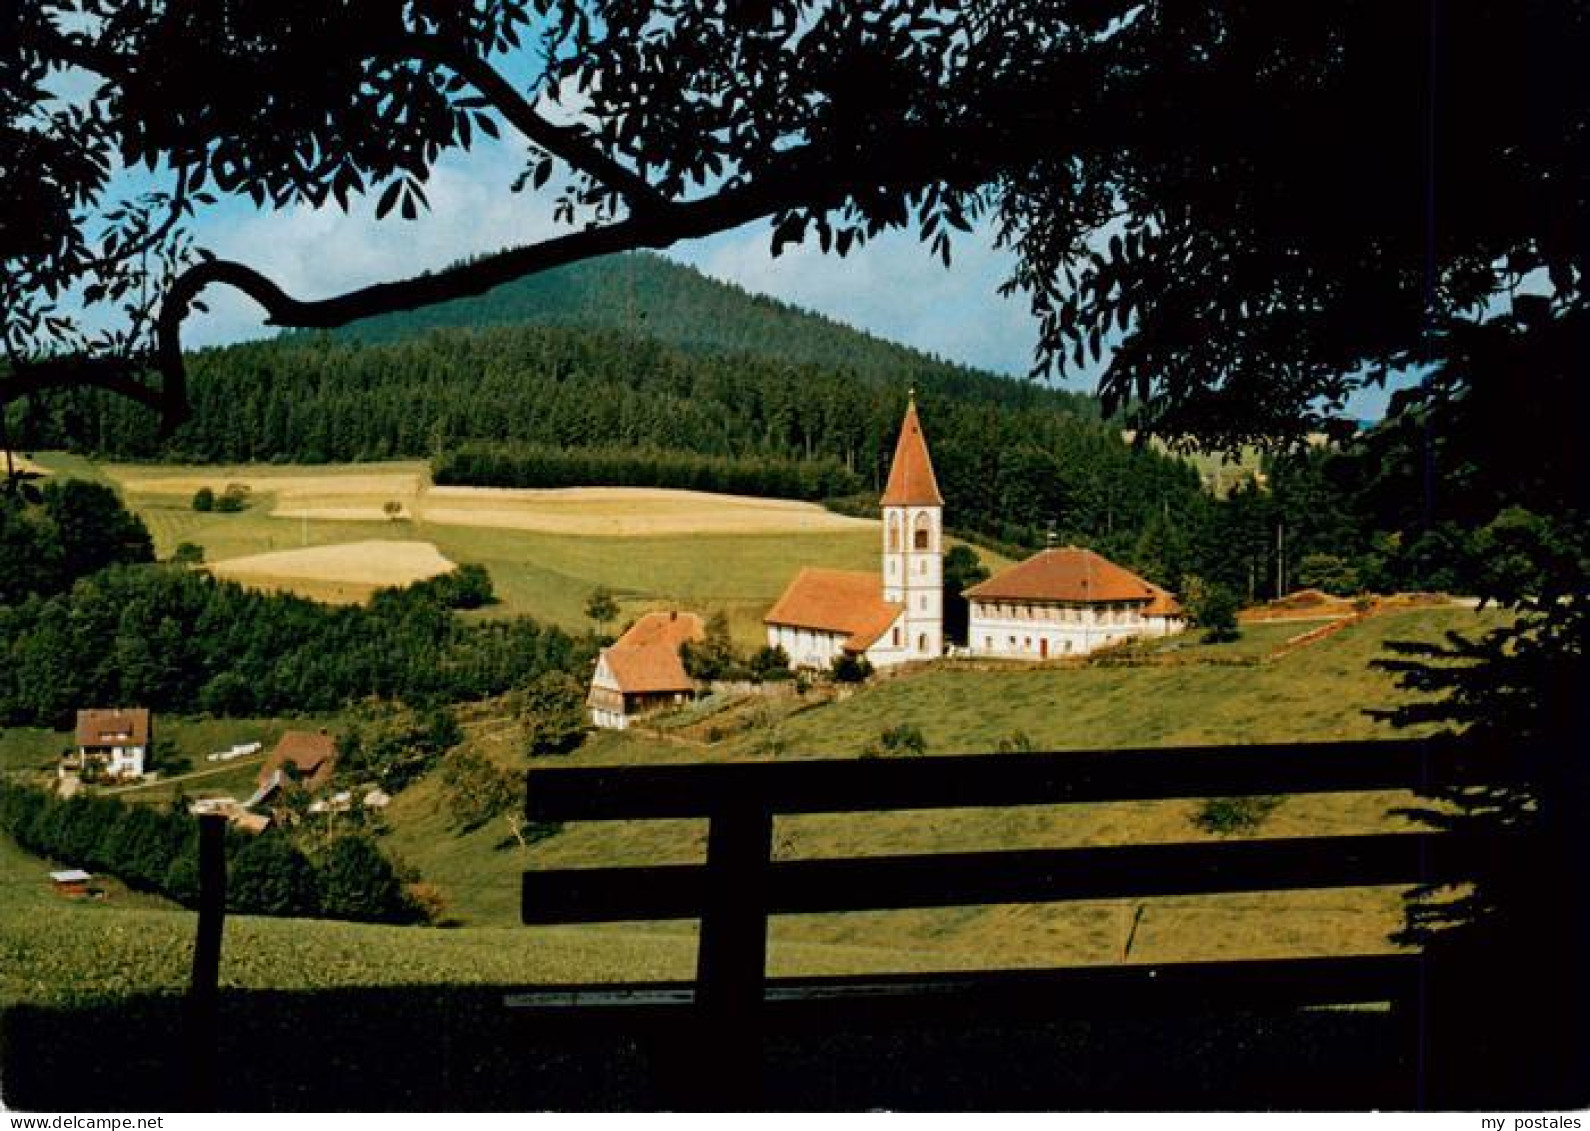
346, 572
545, 550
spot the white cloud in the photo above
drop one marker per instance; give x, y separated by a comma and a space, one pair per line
318, 252
892, 288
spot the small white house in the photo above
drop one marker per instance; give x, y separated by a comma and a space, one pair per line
1065, 602
642, 670
115, 742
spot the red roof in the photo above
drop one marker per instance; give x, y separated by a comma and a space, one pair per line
113, 727
911, 481
662, 628
1164, 603
1067, 575
840, 601
312, 754
645, 660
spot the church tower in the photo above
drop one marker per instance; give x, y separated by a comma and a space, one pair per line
913, 542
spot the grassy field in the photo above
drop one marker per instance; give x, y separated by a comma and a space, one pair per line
734, 555
1318, 693
34, 750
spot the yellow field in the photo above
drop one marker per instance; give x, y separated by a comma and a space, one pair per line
20, 462
363, 494
346, 572
545, 550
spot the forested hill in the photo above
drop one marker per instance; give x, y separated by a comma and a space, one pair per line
651, 297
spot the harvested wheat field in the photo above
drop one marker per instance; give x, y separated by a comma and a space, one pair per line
364, 492
348, 572
356, 492
625, 512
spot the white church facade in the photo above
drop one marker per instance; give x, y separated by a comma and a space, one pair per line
889, 618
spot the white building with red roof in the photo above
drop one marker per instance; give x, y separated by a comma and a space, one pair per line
886, 618
115, 742
642, 670
1065, 602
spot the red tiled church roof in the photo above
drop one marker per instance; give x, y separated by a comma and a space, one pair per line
911, 481
839, 601
1070, 575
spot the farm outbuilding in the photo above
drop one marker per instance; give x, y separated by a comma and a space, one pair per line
642, 670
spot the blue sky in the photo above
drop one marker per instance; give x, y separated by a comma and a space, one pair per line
891, 287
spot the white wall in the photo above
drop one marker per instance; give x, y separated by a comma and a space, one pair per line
1020, 630
805, 647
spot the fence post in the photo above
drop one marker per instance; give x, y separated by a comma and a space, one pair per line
731, 962
204, 984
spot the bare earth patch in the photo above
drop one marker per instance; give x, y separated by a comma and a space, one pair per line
350, 571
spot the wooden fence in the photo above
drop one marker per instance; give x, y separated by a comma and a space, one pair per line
739, 885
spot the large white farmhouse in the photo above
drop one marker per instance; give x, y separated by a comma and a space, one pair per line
887, 618
1065, 602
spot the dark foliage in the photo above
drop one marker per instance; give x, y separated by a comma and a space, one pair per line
156, 850
179, 641
552, 712
73, 530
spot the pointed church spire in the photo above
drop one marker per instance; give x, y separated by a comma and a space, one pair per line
911, 481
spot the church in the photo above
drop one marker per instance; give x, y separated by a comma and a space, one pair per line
1056, 603
889, 618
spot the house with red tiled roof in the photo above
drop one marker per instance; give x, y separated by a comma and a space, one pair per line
886, 618
1065, 601
642, 670
307, 756
115, 742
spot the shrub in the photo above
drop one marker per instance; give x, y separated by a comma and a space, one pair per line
1017, 742
269, 876
357, 882
1234, 816
187, 553
903, 738
553, 714
1214, 609
770, 663
851, 669
204, 500
233, 499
